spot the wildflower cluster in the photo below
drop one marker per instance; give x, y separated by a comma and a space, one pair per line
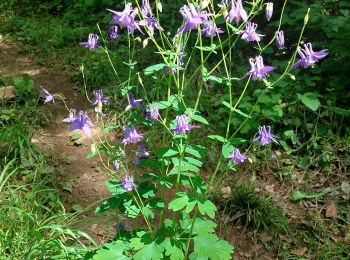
143, 175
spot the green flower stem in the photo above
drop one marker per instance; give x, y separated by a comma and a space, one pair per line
107, 52
141, 207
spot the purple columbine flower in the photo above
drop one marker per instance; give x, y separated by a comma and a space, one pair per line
152, 114
249, 34
48, 96
92, 42
210, 29
182, 125
280, 39
128, 183
113, 32
131, 136
149, 20
80, 121
140, 153
269, 10
308, 57
115, 165
237, 12
133, 103
265, 137
257, 69
236, 156
99, 98
193, 18
126, 18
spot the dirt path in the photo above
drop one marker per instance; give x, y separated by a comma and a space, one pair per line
82, 179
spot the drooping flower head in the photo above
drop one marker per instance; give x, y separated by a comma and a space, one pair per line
236, 156
257, 69
133, 103
115, 165
140, 153
80, 121
210, 29
131, 136
113, 32
100, 98
193, 18
308, 57
126, 18
280, 39
265, 137
249, 34
48, 96
182, 125
152, 113
92, 42
269, 10
128, 183
237, 12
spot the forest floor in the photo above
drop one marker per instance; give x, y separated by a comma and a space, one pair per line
315, 224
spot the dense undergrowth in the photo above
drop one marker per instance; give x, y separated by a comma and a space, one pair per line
309, 109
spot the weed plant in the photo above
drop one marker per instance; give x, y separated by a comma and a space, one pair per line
254, 210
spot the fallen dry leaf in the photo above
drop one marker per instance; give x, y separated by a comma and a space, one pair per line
226, 192
299, 251
331, 211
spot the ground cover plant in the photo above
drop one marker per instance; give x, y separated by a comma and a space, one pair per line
204, 106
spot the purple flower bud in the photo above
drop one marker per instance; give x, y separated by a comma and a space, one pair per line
128, 183
237, 157
115, 165
237, 12
265, 137
280, 39
113, 32
92, 42
308, 57
48, 96
257, 69
131, 136
269, 10
249, 34
81, 122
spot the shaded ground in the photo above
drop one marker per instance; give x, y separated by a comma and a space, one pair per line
82, 180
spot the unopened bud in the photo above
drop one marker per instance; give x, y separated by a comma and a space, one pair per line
306, 18
93, 148
145, 43
269, 10
205, 4
159, 6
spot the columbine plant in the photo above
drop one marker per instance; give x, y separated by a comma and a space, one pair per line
168, 155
